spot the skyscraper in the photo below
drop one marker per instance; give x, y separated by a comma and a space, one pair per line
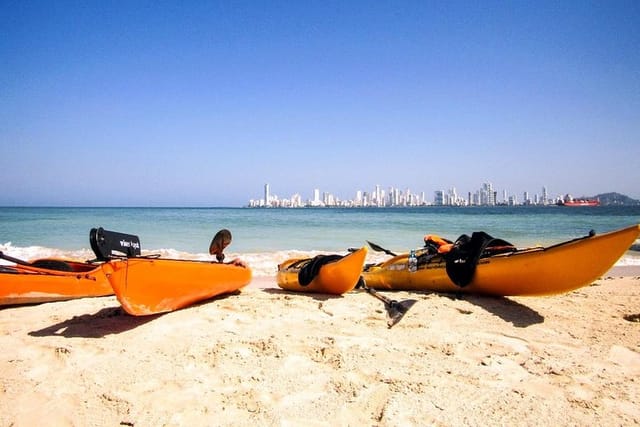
267, 196
438, 198
487, 195
316, 197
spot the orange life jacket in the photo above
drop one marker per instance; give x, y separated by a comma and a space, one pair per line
443, 245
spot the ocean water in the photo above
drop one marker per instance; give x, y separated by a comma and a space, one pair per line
266, 237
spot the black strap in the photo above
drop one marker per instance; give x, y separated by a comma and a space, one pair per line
310, 270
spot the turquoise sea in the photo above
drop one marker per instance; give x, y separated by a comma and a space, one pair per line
265, 237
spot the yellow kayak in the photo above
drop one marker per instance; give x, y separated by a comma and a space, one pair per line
520, 272
329, 274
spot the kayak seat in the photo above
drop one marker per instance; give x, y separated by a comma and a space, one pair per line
111, 244
52, 264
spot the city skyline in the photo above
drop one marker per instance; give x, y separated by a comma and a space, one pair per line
485, 195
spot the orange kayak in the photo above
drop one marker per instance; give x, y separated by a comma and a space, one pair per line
535, 271
154, 285
47, 280
337, 276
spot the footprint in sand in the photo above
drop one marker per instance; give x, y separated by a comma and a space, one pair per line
627, 359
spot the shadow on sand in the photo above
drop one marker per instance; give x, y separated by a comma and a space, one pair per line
395, 309
313, 295
110, 320
508, 310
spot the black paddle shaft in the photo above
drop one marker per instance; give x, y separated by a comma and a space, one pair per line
12, 259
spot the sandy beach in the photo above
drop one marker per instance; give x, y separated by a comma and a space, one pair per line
268, 357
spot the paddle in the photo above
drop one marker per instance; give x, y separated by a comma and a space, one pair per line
12, 259
220, 241
379, 248
395, 309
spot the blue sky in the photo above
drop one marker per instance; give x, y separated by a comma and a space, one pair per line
129, 103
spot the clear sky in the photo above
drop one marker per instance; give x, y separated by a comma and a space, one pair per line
179, 103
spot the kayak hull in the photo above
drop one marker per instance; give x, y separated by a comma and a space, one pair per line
27, 284
335, 278
147, 286
529, 272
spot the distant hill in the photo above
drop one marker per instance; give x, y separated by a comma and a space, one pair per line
610, 199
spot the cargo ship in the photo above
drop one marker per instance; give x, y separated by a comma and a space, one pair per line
580, 202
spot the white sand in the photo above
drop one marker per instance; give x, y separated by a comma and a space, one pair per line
267, 357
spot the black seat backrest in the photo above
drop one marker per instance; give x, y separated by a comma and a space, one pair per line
310, 270
108, 244
463, 258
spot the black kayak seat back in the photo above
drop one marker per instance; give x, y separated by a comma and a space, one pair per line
112, 244
312, 267
462, 260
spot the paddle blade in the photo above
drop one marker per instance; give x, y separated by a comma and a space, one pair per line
379, 248
396, 310
220, 241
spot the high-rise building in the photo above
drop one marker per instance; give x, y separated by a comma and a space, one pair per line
487, 195
438, 198
316, 198
267, 195
358, 201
